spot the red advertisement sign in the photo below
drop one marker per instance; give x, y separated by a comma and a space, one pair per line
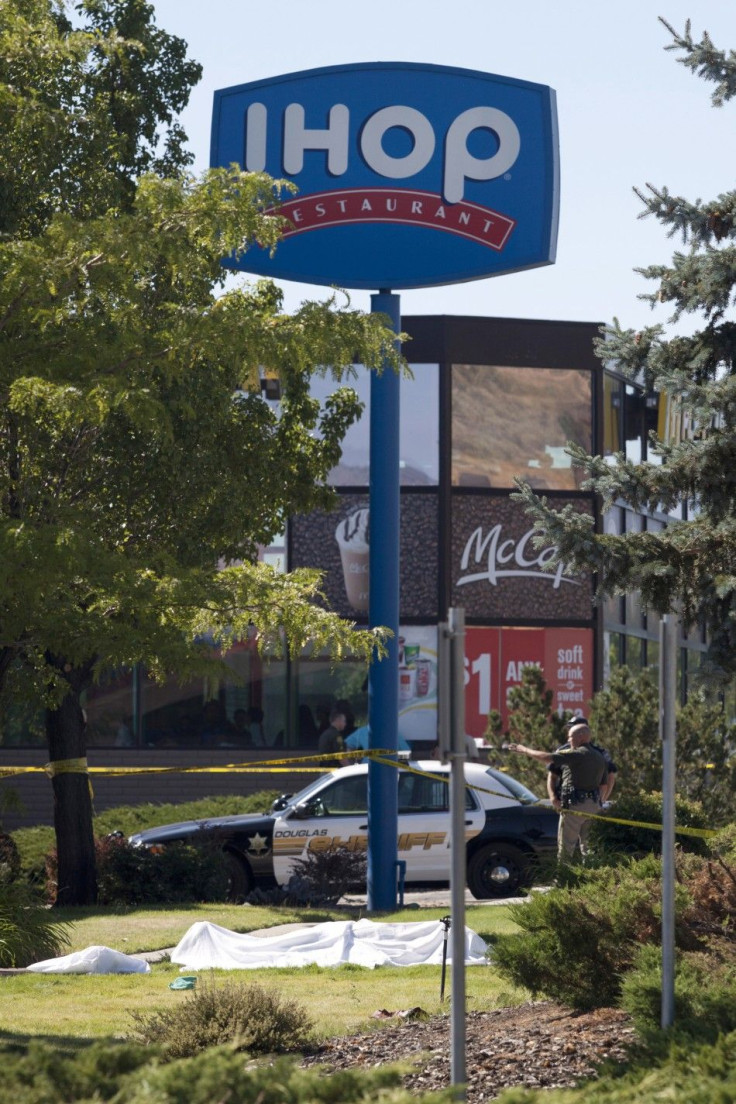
495, 661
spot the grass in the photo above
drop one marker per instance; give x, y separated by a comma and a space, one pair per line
62, 1008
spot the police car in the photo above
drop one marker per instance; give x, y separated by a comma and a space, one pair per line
506, 828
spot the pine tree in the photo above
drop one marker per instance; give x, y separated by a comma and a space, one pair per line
689, 567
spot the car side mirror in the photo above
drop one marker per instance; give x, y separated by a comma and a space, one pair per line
281, 802
306, 809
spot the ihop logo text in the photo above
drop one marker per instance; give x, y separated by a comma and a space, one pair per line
458, 163
407, 175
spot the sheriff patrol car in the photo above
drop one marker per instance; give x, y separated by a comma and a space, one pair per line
506, 828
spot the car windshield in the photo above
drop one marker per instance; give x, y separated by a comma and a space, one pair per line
519, 791
303, 795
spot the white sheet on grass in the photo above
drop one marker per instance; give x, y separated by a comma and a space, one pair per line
92, 960
363, 942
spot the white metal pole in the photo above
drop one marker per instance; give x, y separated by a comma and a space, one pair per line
456, 622
668, 644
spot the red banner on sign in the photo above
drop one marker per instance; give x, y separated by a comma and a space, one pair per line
356, 205
495, 660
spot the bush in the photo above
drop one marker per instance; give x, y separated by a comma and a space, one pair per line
35, 843
612, 841
704, 994
576, 943
9, 858
248, 1017
28, 933
323, 877
174, 874
131, 1074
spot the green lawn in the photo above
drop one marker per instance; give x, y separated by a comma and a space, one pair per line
68, 1007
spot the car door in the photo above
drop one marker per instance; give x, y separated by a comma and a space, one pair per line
424, 823
334, 817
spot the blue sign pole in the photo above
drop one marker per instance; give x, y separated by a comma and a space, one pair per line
383, 704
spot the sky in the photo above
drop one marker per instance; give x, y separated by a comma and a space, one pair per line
628, 114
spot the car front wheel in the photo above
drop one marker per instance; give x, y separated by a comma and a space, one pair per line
240, 877
497, 870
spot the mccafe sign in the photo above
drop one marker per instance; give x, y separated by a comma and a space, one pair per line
493, 555
497, 571
407, 175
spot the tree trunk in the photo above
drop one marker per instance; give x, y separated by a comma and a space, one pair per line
75, 848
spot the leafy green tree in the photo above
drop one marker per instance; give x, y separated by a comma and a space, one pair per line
690, 566
86, 107
139, 465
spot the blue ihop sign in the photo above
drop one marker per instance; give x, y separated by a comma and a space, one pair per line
408, 175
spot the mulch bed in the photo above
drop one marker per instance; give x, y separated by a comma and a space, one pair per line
538, 1045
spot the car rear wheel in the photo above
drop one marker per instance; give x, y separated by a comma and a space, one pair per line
497, 870
240, 877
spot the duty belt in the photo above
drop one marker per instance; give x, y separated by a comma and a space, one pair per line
573, 797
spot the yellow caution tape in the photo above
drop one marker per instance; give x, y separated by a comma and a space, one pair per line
69, 766
286, 766
701, 833
65, 766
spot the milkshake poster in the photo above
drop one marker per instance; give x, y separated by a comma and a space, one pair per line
338, 545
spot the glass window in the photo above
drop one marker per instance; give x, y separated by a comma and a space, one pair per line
634, 615
510, 422
225, 713
611, 415
346, 797
109, 708
633, 423
613, 650
653, 658
634, 652
613, 606
519, 791
422, 794
318, 684
419, 424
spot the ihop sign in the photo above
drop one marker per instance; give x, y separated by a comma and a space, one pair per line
408, 175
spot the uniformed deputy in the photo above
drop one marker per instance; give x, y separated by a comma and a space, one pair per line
584, 776
554, 772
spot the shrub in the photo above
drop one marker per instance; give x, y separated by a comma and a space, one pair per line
128, 819
131, 1074
616, 840
323, 877
28, 933
177, 873
248, 1017
174, 874
576, 943
712, 887
704, 994
9, 858
43, 1073
35, 843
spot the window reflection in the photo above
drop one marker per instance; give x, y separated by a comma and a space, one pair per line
510, 422
611, 415
419, 423
633, 423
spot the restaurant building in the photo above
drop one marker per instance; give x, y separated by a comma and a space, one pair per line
489, 400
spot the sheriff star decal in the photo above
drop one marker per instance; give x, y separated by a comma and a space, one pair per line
257, 844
